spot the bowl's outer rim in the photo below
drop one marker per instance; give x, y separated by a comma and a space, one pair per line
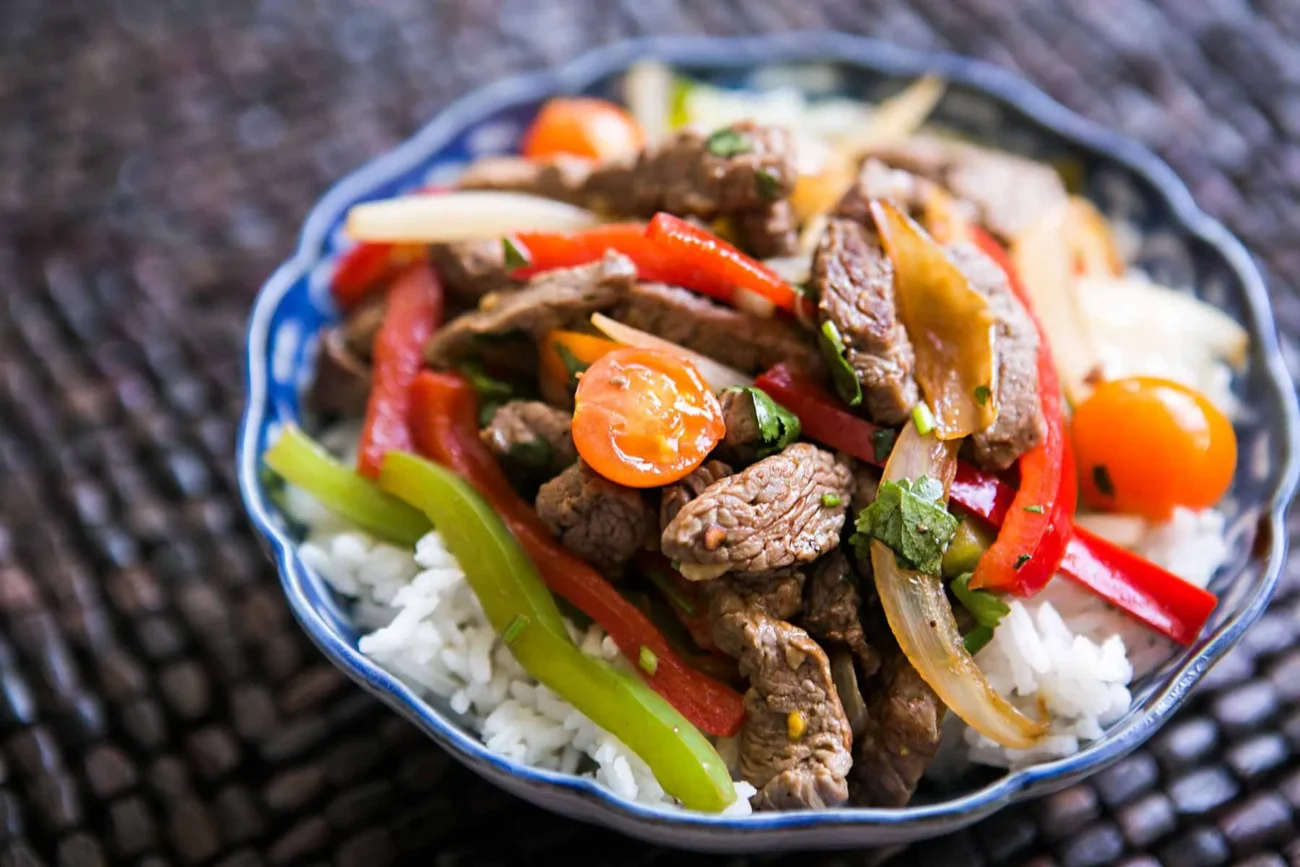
796, 46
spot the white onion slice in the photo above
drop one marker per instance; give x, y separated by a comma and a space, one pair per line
895, 119
1126, 531
717, 375
752, 303
647, 91
461, 216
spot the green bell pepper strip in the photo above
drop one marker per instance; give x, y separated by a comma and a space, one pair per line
522, 610
299, 460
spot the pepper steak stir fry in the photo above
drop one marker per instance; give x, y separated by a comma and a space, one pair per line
794, 498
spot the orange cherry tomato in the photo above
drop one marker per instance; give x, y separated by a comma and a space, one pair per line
582, 126
644, 417
1145, 445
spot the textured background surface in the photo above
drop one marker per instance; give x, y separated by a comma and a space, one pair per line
158, 705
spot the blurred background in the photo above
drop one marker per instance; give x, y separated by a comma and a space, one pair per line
157, 703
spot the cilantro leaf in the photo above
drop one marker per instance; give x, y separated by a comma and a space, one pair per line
882, 443
515, 254
533, 454
769, 184
571, 363
727, 142
987, 609
909, 519
777, 426
846, 378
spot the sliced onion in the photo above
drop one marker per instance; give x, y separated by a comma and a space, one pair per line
461, 216
648, 93
715, 374
753, 303
921, 618
1126, 531
1044, 261
895, 119
791, 269
845, 678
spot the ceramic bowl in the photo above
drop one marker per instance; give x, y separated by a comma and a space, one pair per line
1181, 246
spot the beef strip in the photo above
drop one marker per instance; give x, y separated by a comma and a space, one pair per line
768, 516
679, 493
791, 692
1006, 192
554, 299
878, 181
602, 522
854, 281
904, 718
832, 610
531, 436
562, 177
342, 381
684, 177
742, 440
1020, 424
866, 481
472, 269
769, 231
734, 338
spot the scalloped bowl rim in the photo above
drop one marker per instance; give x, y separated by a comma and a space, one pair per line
738, 52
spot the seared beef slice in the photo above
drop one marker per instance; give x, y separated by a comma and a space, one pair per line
679, 493
1006, 192
833, 609
725, 334
555, 299
472, 269
687, 176
854, 281
562, 178
904, 717
602, 522
531, 435
1020, 425
796, 746
785, 509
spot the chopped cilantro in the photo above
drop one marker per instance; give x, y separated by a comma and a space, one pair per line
909, 519
1022, 560
534, 454
514, 629
1035, 509
777, 426
882, 443
515, 254
846, 379
1101, 478
830, 501
769, 184
923, 418
727, 142
982, 394
492, 392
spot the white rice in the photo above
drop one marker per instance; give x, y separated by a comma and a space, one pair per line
429, 631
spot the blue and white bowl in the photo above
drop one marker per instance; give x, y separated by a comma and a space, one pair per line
1182, 246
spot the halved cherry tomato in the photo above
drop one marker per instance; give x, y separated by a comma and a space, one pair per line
582, 126
644, 418
560, 351
1146, 445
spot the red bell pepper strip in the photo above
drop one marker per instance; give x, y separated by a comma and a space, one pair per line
445, 427
711, 266
1149, 593
413, 311
1032, 537
548, 250
367, 267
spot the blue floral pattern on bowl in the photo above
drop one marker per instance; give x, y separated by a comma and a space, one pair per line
1181, 246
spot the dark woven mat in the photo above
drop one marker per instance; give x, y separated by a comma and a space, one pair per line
157, 703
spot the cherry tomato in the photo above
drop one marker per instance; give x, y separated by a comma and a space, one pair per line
1145, 445
582, 127
644, 417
